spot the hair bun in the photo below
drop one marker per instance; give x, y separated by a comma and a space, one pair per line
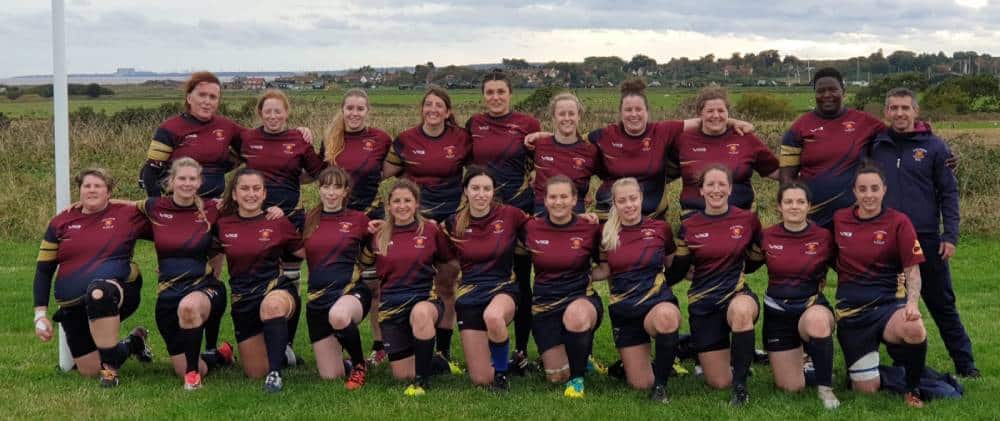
633, 86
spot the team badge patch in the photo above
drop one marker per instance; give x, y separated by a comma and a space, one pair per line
369, 145
733, 148
736, 232
419, 242
108, 223
919, 154
578, 163
264, 234
219, 134
880, 237
345, 226
289, 148
498, 227
575, 243
449, 152
811, 248
647, 144
648, 234
849, 126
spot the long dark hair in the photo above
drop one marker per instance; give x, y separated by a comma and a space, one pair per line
464, 215
330, 176
229, 205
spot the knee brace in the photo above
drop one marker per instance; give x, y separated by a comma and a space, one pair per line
865, 368
107, 305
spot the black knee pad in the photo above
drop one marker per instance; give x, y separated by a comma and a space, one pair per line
107, 305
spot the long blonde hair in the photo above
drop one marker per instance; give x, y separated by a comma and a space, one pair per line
334, 139
188, 162
613, 227
385, 234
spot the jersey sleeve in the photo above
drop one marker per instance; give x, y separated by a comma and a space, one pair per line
395, 156
790, 151
46, 264
161, 147
910, 252
443, 248
755, 254
946, 186
764, 161
682, 258
669, 246
293, 240
312, 162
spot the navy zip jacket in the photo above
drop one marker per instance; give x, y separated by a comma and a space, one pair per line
918, 182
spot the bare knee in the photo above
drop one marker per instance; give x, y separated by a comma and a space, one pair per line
339, 319
817, 327
188, 316
273, 308
914, 332
495, 321
577, 321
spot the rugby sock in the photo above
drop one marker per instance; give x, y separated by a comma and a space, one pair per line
915, 359
293, 325
498, 353
666, 344
821, 352
577, 349
522, 316
443, 336
742, 355
378, 345
191, 339
423, 352
350, 340
213, 323
275, 341
115, 356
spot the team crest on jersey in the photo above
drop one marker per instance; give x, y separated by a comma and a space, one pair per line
578, 163
812, 248
219, 134
733, 148
264, 234
449, 152
736, 232
647, 144
345, 226
498, 227
849, 126
369, 145
575, 243
199, 218
648, 234
108, 223
289, 148
419, 242
880, 237
917, 250
919, 154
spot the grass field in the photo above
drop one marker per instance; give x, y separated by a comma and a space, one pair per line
35, 389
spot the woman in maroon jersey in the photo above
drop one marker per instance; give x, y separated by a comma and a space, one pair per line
360, 149
263, 299
721, 242
714, 142
498, 144
566, 308
637, 250
797, 315
433, 156
565, 152
97, 286
875, 245
407, 252
338, 299
484, 236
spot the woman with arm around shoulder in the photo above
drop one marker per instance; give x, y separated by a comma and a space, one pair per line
874, 245
97, 286
797, 315
637, 250
721, 242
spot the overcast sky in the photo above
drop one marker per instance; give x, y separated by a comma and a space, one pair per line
227, 35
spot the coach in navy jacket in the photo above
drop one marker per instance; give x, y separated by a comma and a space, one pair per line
919, 184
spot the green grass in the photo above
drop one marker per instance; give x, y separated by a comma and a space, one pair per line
35, 389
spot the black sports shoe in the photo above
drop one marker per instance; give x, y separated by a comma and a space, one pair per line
273, 383
138, 344
659, 394
617, 370
970, 373
501, 384
519, 363
740, 396
760, 357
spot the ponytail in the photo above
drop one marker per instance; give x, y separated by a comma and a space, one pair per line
333, 142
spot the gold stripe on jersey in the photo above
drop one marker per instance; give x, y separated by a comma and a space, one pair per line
661, 208
682, 247
789, 156
738, 288
617, 298
159, 151
133, 273
315, 295
48, 251
70, 303
355, 277
367, 257
755, 253
816, 208
165, 285
502, 285
389, 313
393, 158
694, 297
655, 290
547, 307
846, 313
464, 289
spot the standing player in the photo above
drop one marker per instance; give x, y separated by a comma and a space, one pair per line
564, 153
337, 299
361, 151
97, 285
715, 143
263, 300
498, 144
565, 306
407, 252
796, 314
875, 245
721, 242
433, 155
824, 147
637, 252
484, 236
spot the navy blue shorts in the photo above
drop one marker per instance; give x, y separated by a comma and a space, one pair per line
861, 333
168, 323
397, 333
318, 318
711, 332
547, 328
781, 321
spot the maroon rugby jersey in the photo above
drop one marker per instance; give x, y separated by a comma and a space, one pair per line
637, 277
871, 253
86, 247
643, 157
719, 247
743, 155
207, 142
578, 161
563, 256
333, 252
796, 261
828, 151
183, 239
486, 253
498, 144
281, 157
406, 272
435, 164
362, 157
253, 248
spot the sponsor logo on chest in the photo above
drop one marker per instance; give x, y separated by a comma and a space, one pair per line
165, 215
256, 147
